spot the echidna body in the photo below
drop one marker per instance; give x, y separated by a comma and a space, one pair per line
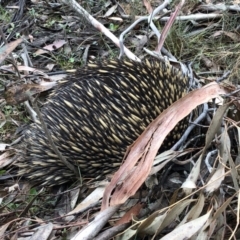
96, 114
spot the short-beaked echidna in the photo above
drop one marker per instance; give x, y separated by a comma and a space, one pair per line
96, 114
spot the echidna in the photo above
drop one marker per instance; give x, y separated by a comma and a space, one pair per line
96, 114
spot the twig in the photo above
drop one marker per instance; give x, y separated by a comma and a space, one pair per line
191, 127
210, 154
152, 25
168, 26
192, 140
92, 229
225, 76
74, 5
232, 93
126, 31
112, 232
30, 111
198, 16
219, 7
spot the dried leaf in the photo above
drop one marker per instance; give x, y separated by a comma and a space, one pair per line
43, 232
93, 228
128, 234
165, 158
8, 48
2, 123
190, 182
51, 47
234, 36
152, 223
157, 221
5, 158
195, 211
30, 69
215, 125
174, 213
216, 179
145, 148
18, 94
90, 199
127, 217
3, 229
3, 146
148, 6
110, 11
188, 229
209, 63
223, 206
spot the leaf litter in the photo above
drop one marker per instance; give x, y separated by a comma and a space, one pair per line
204, 203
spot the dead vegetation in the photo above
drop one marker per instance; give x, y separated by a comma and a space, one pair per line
197, 197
